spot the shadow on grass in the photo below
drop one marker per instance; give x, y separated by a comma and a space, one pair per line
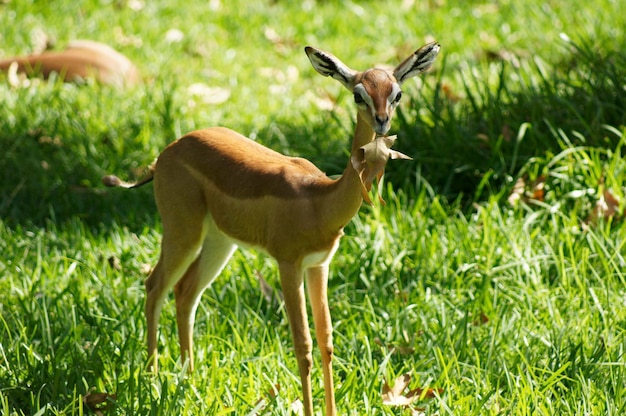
470, 143
59, 140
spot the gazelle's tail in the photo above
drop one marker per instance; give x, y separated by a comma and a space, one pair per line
113, 181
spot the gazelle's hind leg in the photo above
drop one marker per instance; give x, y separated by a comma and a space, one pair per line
172, 265
184, 229
216, 251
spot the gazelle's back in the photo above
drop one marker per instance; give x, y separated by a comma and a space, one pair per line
228, 179
239, 166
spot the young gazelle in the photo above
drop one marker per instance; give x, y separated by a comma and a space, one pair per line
216, 190
80, 60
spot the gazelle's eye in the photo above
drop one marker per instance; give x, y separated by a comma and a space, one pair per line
358, 98
398, 97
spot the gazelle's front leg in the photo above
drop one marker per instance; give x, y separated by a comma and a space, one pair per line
291, 280
317, 284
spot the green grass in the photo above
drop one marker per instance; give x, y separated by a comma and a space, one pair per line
509, 308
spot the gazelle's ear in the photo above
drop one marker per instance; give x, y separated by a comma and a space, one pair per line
420, 61
329, 65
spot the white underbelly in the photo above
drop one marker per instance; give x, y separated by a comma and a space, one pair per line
316, 258
320, 258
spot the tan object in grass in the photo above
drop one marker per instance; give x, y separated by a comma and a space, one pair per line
81, 59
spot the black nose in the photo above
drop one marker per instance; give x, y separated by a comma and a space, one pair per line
381, 120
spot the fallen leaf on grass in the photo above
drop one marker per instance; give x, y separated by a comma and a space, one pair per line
126, 40
524, 191
262, 402
174, 36
322, 100
17, 79
136, 5
281, 44
393, 396
450, 93
606, 207
480, 319
207, 94
99, 402
115, 263
503, 55
296, 407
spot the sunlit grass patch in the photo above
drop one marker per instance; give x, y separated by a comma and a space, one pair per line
495, 272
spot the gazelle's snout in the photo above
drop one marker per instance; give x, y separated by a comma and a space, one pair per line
382, 124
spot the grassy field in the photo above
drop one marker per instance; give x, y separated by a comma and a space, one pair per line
495, 273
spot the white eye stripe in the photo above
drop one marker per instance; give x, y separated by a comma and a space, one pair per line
360, 90
393, 97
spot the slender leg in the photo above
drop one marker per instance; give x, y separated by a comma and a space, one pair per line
216, 251
182, 238
317, 283
291, 278
169, 269
154, 302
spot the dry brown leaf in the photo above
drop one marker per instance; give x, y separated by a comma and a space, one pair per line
280, 43
115, 263
207, 94
449, 93
174, 35
17, 79
537, 188
56, 140
99, 402
481, 319
126, 40
369, 161
261, 404
606, 207
503, 55
525, 192
321, 99
136, 5
518, 191
145, 268
393, 396
297, 408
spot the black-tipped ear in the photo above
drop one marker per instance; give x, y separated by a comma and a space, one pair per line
330, 66
421, 60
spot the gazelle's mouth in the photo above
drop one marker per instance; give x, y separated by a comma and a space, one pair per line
382, 130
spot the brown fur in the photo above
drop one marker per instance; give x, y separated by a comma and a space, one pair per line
80, 60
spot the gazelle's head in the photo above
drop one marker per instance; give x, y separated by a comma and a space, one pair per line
376, 91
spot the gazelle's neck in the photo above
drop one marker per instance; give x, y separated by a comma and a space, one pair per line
363, 134
346, 196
